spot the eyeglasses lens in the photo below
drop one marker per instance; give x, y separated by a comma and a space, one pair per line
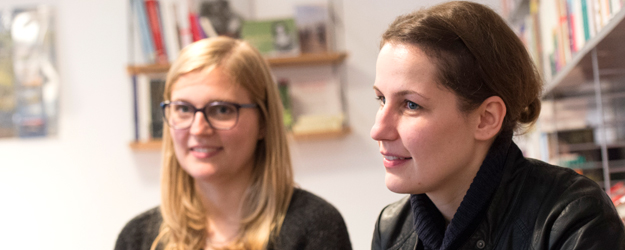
219, 116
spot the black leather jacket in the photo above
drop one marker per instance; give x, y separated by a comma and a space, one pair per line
536, 206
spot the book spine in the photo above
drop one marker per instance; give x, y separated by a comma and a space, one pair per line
152, 10
195, 27
157, 87
135, 106
143, 107
579, 24
147, 44
199, 25
169, 28
586, 20
571, 26
184, 28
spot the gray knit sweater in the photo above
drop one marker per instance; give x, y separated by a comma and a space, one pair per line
310, 223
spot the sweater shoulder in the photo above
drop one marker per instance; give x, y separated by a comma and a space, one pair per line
308, 207
140, 232
312, 223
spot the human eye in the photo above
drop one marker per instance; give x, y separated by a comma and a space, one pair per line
411, 105
182, 108
381, 99
222, 111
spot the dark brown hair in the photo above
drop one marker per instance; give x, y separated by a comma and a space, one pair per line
477, 56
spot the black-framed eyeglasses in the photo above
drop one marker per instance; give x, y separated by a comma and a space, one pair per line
218, 115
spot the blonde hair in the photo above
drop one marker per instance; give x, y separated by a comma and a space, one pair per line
266, 200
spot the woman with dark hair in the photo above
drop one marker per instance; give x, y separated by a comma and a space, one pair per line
454, 84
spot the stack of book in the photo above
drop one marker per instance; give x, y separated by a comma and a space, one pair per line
564, 28
162, 27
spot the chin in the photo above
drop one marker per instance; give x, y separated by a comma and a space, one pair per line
398, 185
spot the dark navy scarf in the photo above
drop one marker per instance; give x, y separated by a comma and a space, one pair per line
430, 223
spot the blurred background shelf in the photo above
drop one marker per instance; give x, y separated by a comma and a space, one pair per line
155, 145
301, 60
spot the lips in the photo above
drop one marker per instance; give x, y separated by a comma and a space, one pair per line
391, 161
394, 158
204, 151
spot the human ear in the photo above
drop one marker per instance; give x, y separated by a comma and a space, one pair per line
491, 114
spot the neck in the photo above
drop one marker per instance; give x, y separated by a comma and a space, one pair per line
223, 202
448, 197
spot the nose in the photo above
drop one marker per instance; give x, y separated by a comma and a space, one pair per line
385, 126
200, 125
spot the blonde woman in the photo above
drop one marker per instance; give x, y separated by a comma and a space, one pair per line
227, 180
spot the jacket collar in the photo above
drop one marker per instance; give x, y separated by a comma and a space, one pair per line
429, 222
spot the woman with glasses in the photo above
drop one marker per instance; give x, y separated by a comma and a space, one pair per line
227, 180
454, 84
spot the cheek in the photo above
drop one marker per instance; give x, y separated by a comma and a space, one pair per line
179, 138
427, 140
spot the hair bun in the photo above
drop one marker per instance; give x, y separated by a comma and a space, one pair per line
531, 112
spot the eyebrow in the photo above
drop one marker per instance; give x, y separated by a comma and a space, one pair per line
405, 92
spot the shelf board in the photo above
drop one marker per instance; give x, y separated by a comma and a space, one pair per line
610, 54
152, 145
155, 145
303, 59
147, 69
321, 134
308, 59
589, 146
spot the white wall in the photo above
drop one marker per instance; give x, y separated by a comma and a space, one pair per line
77, 190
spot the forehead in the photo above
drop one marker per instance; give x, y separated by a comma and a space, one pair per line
214, 85
404, 65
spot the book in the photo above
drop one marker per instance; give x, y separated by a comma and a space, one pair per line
314, 28
181, 14
157, 88
196, 34
154, 19
169, 29
273, 38
141, 25
135, 106
143, 107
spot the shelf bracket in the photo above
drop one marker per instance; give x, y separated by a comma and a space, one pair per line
602, 132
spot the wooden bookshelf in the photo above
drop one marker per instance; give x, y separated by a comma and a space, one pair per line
577, 74
146, 145
330, 134
156, 145
301, 60
147, 69
587, 91
308, 59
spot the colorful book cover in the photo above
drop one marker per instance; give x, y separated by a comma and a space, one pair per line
273, 38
